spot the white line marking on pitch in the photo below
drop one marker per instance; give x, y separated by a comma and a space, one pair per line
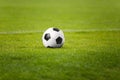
65, 30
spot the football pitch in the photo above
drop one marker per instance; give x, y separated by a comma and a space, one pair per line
92, 40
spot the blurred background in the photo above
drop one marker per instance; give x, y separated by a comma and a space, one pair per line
32, 15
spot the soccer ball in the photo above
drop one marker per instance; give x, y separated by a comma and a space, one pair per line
53, 38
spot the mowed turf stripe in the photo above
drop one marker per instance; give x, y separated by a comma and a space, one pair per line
66, 30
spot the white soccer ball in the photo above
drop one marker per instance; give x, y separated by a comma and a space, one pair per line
53, 38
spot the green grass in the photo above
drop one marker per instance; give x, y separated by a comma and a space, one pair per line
66, 14
86, 55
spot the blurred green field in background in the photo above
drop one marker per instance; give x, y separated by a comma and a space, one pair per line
90, 53
65, 14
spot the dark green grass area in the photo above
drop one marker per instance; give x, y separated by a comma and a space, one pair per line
84, 56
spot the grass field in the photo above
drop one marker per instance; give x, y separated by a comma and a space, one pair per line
92, 33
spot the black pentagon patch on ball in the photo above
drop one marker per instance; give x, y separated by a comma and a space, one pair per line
59, 40
56, 29
47, 36
49, 47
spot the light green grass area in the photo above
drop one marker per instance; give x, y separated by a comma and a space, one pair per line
86, 55
65, 14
